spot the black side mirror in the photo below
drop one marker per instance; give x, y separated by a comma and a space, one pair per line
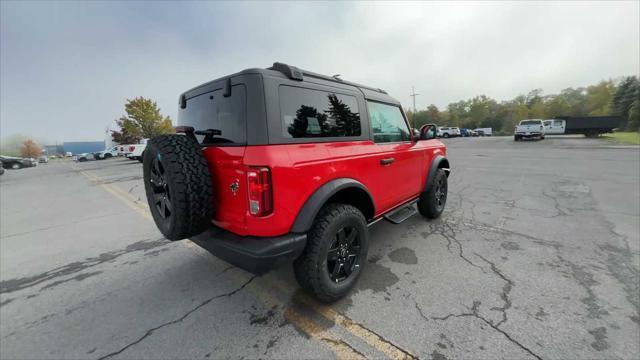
428, 132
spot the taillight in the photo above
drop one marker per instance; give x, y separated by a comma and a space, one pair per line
132, 148
260, 191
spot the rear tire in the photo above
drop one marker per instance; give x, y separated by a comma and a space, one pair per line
445, 135
178, 186
338, 240
432, 201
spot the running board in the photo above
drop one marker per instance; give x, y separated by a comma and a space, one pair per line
402, 213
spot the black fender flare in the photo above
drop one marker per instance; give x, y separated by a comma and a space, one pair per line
315, 202
439, 162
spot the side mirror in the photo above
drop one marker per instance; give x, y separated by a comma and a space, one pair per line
428, 132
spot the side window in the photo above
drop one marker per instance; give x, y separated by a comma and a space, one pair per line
557, 122
388, 123
310, 113
547, 123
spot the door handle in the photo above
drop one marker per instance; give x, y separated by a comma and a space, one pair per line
387, 161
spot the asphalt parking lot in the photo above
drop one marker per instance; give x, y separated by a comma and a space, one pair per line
536, 256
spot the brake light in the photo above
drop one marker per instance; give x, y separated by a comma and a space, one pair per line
260, 191
132, 148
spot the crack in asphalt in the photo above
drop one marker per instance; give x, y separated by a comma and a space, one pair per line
420, 311
445, 229
506, 289
180, 319
11, 285
474, 313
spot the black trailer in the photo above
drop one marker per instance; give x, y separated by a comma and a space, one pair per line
590, 126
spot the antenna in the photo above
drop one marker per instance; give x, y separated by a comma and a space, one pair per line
413, 95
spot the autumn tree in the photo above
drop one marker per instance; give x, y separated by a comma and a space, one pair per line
143, 120
30, 149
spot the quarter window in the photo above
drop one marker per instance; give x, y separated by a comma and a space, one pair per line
310, 113
388, 123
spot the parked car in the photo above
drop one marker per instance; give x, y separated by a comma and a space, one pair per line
290, 184
83, 157
108, 153
529, 129
1, 168
43, 159
10, 162
484, 131
68, 154
447, 132
467, 132
136, 151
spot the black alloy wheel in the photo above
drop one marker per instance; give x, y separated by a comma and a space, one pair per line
440, 193
161, 195
344, 254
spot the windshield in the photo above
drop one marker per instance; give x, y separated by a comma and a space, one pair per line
212, 110
530, 122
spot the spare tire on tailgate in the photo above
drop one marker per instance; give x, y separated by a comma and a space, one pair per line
178, 186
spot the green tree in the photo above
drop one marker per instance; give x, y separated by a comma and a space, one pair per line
143, 120
599, 97
557, 105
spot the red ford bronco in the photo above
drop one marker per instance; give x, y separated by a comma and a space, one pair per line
280, 164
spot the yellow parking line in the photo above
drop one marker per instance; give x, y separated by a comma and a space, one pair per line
370, 337
341, 349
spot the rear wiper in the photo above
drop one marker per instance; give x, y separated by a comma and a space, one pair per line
191, 133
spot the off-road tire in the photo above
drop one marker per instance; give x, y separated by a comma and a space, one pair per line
310, 268
189, 185
428, 204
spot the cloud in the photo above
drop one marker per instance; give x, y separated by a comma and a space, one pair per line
66, 68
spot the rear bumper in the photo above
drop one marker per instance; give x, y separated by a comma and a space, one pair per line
254, 254
531, 134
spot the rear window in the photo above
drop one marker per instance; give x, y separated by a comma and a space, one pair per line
214, 111
310, 113
530, 122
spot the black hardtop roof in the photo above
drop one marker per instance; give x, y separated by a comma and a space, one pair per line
294, 73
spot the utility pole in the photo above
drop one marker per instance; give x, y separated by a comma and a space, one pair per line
413, 95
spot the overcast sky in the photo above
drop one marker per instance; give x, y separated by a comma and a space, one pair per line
67, 68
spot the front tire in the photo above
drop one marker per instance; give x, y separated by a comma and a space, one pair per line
432, 201
445, 135
335, 254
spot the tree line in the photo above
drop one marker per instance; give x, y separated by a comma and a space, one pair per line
619, 97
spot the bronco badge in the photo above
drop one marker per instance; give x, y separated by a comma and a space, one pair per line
235, 185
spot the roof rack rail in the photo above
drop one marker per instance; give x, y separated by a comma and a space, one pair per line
295, 73
292, 72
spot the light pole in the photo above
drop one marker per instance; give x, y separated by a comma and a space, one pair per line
413, 95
